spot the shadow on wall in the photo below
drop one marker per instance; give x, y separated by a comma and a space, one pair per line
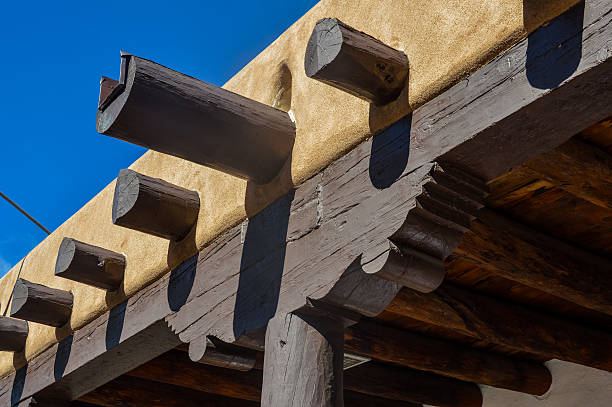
565, 35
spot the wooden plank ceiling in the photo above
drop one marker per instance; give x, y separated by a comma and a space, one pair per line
565, 194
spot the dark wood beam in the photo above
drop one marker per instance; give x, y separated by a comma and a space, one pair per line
299, 348
408, 385
579, 168
173, 113
355, 62
354, 399
13, 334
226, 355
154, 206
521, 254
38, 303
517, 327
89, 264
127, 391
446, 358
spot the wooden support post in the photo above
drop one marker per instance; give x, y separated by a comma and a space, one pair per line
154, 206
446, 358
44, 305
355, 62
303, 361
167, 111
13, 334
518, 253
89, 264
499, 322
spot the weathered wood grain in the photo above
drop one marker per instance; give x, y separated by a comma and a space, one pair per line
38, 303
537, 260
303, 361
89, 264
446, 358
13, 334
154, 206
225, 355
500, 322
173, 113
355, 62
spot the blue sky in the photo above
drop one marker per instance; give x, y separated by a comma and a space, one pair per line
53, 54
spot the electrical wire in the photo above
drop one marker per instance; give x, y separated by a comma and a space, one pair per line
27, 215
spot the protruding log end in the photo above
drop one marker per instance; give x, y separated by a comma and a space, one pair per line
89, 264
41, 304
355, 62
167, 111
407, 267
154, 206
13, 334
212, 351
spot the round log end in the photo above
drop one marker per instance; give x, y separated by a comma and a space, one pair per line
20, 296
126, 193
41, 304
323, 46
65, 255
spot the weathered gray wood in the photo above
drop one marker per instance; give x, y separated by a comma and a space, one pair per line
176, 114
37, 303
154, 206
355, 62
89, 264
519, 253
303, 361
499, 322
13, 334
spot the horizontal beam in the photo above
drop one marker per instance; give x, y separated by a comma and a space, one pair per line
176, 114
499, 322
41, 304
355, 62
13, 334
89, 264
579, 168
154, 206
446, 358
127, 391
521, 254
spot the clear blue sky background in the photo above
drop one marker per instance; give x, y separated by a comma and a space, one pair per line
53, 54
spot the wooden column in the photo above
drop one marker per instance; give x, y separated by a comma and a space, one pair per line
38, 303
167, 111
154, 206
303, 361
355, 62
13, 334
89, 264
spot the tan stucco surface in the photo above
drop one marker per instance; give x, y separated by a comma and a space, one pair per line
444, 41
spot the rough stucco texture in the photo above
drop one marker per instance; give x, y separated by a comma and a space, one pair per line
444, 40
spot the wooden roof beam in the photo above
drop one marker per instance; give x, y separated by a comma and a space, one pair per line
13, 334
446, 358
90, 264
154, 206
355, 62
41, 304
579, 168
170, 112
500, 322
521, 254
